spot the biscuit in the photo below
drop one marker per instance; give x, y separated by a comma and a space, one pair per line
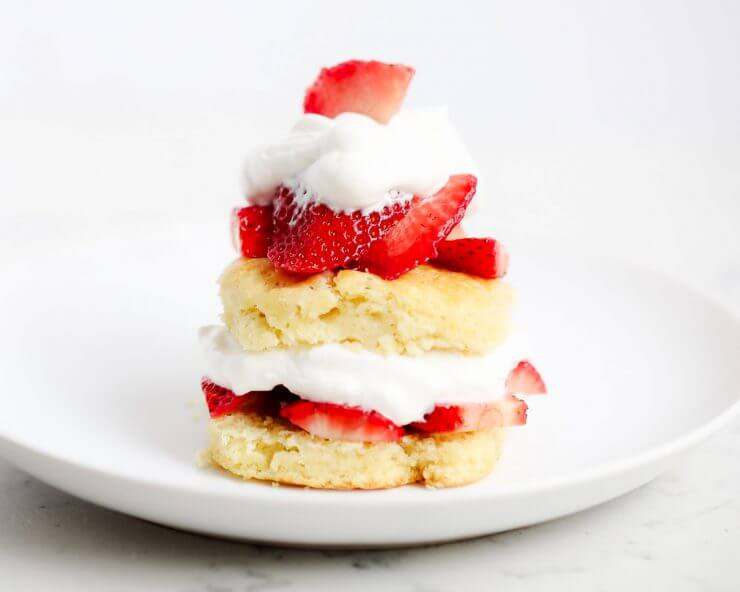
426, 309
266, 448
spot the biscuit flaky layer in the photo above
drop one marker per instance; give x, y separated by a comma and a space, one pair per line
427, 308
257, 447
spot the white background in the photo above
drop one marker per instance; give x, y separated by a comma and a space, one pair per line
615, 122
610, 125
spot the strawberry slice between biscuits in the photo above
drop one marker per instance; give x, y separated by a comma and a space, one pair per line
311, 237
469, 417
338, 422
507, 411
222, 401
414, 239
483, 257
372, 88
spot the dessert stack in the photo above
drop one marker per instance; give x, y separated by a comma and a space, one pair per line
366, 341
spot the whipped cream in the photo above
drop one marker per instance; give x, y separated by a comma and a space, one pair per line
352, 162
403, 388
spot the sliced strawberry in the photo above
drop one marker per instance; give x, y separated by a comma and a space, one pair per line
372, 88
313, 238
443, 418
513, 410
414, 239
222, 401
251, 228
508, 411
484, 257
338, 422
525, 380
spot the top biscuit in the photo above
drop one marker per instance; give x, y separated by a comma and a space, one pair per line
426, 309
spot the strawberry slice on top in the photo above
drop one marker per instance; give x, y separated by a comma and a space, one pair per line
339, 422
304, 235
311, 237
484, 257
375, 89
415, 238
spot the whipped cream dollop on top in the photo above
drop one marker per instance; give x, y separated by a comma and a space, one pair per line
403, 388
352, 162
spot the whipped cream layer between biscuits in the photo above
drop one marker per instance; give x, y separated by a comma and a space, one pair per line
402, 388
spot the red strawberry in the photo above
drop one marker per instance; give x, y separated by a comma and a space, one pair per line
251, 228
313, 238
513, 410
222, 401
415, 238
338, 422
468, 417
373, 88
484, 257
525, 380
443, 418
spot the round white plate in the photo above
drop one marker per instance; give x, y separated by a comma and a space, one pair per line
100, 394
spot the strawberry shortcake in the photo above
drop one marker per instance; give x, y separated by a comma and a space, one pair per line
366, 340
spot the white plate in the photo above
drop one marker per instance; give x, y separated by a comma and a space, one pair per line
100, 373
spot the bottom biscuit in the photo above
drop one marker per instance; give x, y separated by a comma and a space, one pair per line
258, 447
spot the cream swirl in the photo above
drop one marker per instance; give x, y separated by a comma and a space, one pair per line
353, 163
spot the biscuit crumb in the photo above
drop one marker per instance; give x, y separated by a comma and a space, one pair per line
203, 458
